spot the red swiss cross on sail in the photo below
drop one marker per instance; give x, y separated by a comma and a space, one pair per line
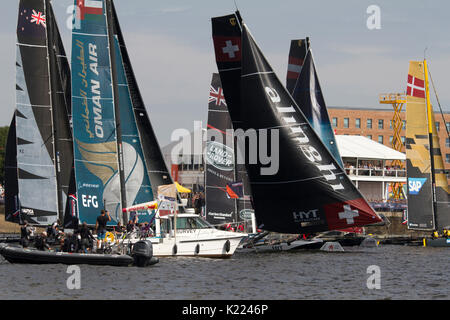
228, 49
416, 87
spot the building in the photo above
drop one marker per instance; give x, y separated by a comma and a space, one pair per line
376, 124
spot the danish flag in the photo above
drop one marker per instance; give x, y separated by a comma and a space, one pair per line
217, 96
416, 87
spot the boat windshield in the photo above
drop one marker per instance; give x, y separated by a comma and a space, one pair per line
192, 223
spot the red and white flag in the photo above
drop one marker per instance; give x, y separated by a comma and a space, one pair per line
228, 49
38, 18
415, 87
216, 96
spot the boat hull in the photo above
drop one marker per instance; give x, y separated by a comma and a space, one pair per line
31, 256
194, 246
440, 242
284, 246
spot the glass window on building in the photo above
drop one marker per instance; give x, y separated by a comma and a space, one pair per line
390, 139
334, 122
437, 125
404, 124
391, 124
403, 140
358, 123
346, 122
448, 126
369, 136
380, 139
447, 157
447, 142
380, 123
369, 123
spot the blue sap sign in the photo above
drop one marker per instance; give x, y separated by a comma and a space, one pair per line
415, 184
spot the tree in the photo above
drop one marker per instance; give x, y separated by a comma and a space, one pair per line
3, 138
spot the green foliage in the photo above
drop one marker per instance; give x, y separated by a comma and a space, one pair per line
3, 138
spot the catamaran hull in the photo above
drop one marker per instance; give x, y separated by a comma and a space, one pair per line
284, 246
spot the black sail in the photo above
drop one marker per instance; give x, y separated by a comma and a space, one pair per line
309, 192
61, 102
156, 166
308, 96
12, 206
40, 163
219, 158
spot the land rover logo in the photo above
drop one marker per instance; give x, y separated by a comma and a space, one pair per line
219, 156
246, 214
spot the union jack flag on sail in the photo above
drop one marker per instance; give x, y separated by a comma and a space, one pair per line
216, 96
38, 18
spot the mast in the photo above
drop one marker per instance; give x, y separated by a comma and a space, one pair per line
110, 31
52, 85
430, 137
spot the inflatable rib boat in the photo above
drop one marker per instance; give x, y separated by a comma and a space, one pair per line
16, 254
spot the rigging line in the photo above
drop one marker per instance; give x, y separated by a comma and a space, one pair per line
439, 104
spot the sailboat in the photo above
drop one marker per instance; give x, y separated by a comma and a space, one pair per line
118, 162
308, 96
310, 191
221, 167
428, 190
303, 84
39, 159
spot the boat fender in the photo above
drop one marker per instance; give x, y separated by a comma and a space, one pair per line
174, 250
197, 249
226, 246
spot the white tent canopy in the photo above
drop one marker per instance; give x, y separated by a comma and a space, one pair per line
364, 148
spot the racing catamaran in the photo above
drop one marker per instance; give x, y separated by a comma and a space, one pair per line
310, 191
39, 184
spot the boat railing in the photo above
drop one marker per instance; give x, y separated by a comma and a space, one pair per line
376, 172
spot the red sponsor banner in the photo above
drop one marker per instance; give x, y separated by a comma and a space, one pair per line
415, 87
352, 213
228, 49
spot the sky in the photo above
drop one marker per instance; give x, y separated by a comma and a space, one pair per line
171, 49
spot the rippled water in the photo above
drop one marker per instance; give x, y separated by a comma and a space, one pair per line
406, 273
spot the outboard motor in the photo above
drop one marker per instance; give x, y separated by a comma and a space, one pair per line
142, 253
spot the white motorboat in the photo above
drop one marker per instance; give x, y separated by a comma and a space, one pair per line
184, 234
